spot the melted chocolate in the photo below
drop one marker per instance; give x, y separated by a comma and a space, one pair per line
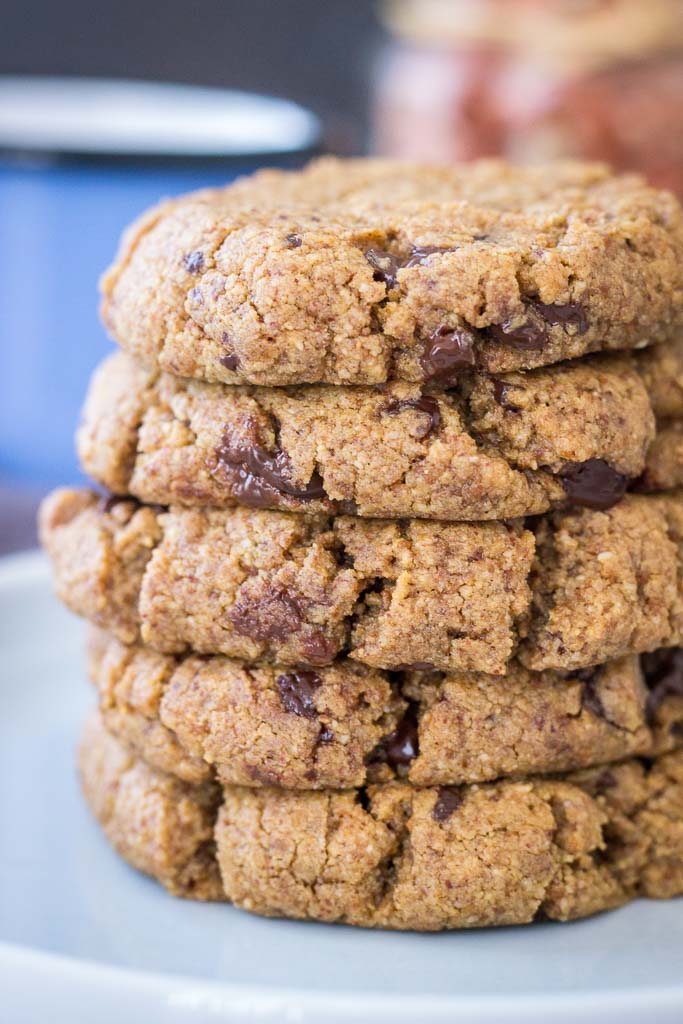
272, 614
593, 484
663, 673
385, 266
296, 690
501, 390
400, 747
231, 360
425, 404
257, 477
448, 799
448, 352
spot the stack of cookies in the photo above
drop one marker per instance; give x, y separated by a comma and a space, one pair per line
387, 589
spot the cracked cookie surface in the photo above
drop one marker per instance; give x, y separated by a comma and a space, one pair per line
491, 448
345, 725
396, 856
585, 588
363, 271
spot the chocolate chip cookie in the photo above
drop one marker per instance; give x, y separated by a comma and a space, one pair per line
366, 271
160, 825
493, 447
583, 588
345, 725
396, 856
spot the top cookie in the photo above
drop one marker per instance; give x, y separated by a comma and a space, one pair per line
365, 271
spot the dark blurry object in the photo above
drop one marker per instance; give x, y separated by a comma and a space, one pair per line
535, 79
78, 160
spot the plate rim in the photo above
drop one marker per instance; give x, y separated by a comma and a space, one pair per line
219, 998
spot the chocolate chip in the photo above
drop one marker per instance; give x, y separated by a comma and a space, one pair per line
448, 351
663, 673
400, 747
425, 404
194, 261
231, 360
530, 336
317, 648
533, 335
419, 253
293, 241
268, 613
415, 666
385, 266
296, 692
593, 484
325, 735
590, 695
449, 798
501, 391
605, 780
257, 477
572, 313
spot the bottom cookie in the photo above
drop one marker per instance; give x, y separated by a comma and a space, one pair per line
160, 825
396, 856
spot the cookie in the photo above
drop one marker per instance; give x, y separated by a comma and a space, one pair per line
491, 448
586, 587
346, 725
664, 465
395, 856
365, 271
457, 857
661, 370
159, 824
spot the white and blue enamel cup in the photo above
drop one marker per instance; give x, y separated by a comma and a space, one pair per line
79, 159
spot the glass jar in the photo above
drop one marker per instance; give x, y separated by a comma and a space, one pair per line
531, 80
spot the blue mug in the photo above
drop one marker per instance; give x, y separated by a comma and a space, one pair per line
79, 159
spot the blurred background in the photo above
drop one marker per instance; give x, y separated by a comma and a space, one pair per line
89, 136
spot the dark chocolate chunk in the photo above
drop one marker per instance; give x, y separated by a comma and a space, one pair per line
590, 695
269, 613
448, 351
605, 780
318, 648
530, 336
419, 253
231, 360
663, 673
257, 477
448, 799
296, 692
293, 241
425, 404
593, 484
325, 735
414, 666
194, 261
572, 313
400, 747
533, 334
385, 266
501, 391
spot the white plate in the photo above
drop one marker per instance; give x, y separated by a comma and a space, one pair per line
84, 938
